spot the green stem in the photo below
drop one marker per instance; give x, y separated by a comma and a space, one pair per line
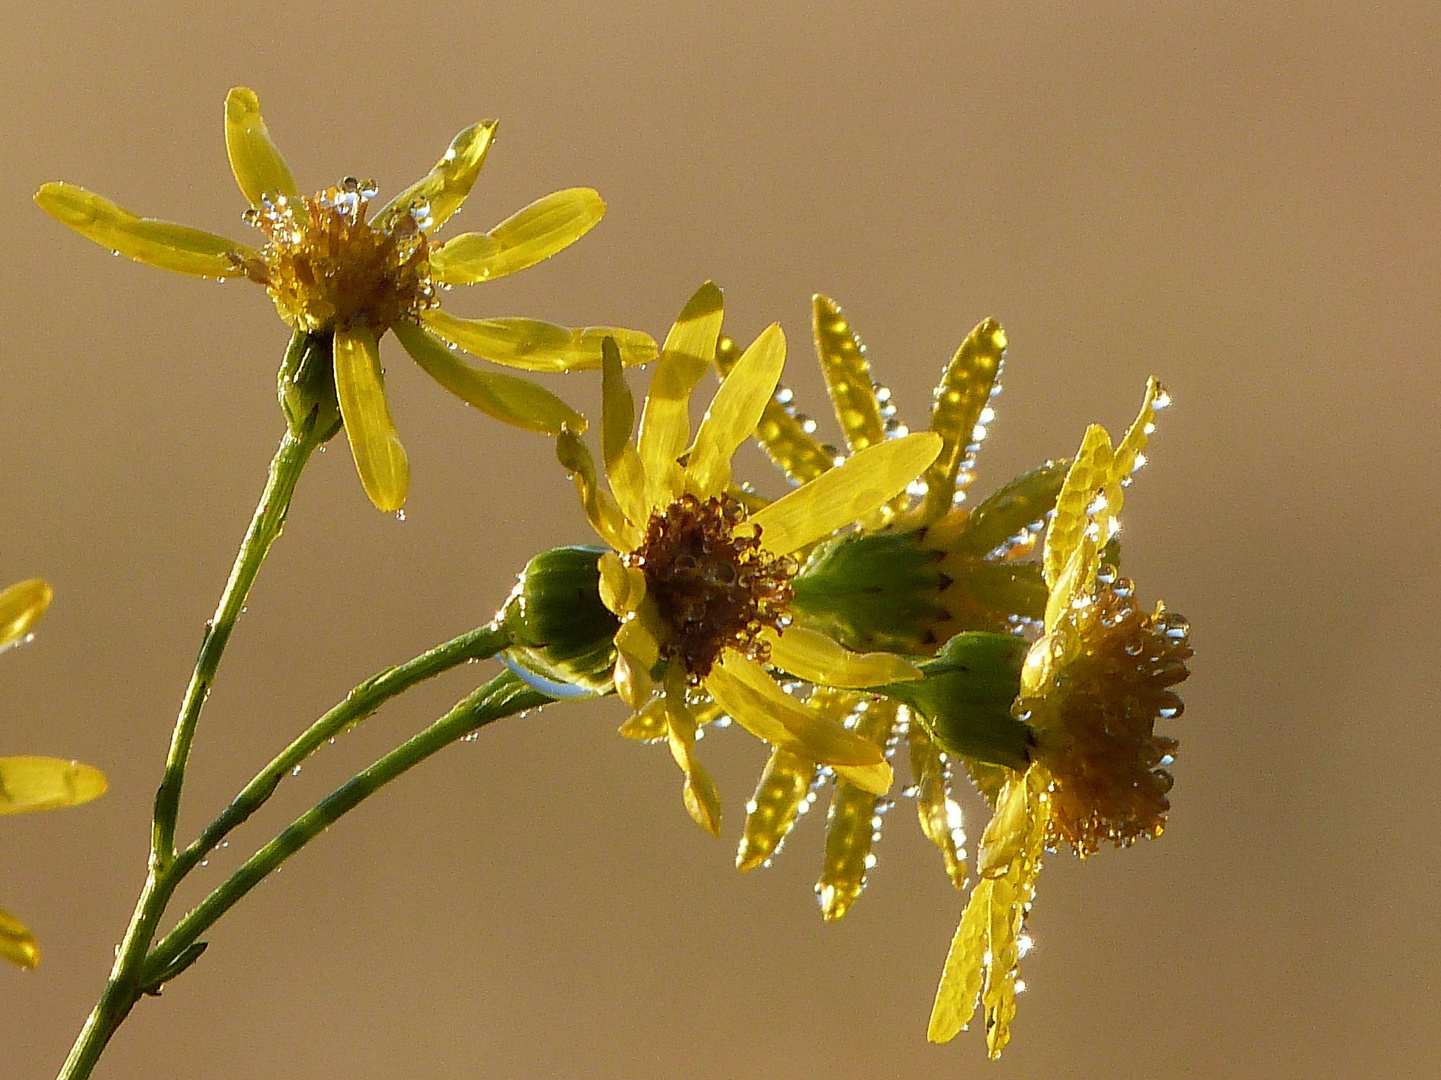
503, 696
479, 644
124, 986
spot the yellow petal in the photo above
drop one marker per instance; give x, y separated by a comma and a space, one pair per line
536, 233
255, 160
1005, 835
16, 943
622, 463
743, 689
965, 968
46, 783
445, 187
622, 587
812, 656
734, 412
702, 798
939, 813
360, 386
774, 807
848, 375
961, 401
1128, 457
535, 345
506, 397
852, 823
20, 606
1086, 476
844, 494
600, 507
161, 244
782, 432
665, 420
877, 778
648, 724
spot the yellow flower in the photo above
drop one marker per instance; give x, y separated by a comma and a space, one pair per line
1092, 688
702, 586
34, 783
943, 575
331, 271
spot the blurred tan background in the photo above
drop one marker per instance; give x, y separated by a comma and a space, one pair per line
1241, 199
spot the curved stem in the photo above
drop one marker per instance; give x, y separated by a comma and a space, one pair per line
124, 986
265, 527
503, 696
479, 644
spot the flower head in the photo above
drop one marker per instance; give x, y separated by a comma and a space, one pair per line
914, 572
34, 783
701, 584
336, 270
1091, 689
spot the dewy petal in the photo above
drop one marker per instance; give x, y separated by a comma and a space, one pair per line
16, 942
161, 244
957, 415
360, 386
445, 187
812, 656
846, 493
600, 507
774, 807
255, 160
20, 606
1086, 476
702, 799
734, 412
1006, 833
46, 783
742, 688
665, 421
506, 397
546, 226
617, 422
848, 375
535, 345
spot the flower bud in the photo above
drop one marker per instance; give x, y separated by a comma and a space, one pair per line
564, 637
964, 702
306, 386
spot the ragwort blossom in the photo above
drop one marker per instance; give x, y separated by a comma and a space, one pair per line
914, 572
334, 269
34, 783
700, 584
1092, 688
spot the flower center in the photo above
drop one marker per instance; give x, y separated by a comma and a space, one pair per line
327, 268
713, 584
1097, 725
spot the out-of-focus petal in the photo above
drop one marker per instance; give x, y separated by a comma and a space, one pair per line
46, 783
506, 397
939, 813
774, 807
255, 160
961, 401
543, 228
161, 244
848, 375
20, 606
665, 420
535, 345
648, 724
16, 942
445, 187
360, 387
816, 658
846, 493
734, 412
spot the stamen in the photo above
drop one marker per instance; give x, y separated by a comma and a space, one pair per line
713, 584
327, 268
